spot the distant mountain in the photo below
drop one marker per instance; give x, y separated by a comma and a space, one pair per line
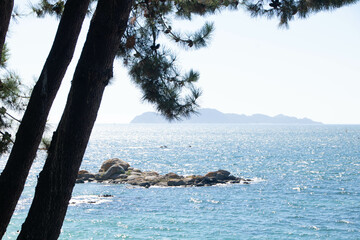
207, 115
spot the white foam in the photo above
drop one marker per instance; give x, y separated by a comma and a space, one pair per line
194, 200
257, 180
88, 199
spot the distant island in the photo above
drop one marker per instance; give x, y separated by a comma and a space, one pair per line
207, 115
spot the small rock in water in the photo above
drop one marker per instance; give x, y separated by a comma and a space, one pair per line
106, 195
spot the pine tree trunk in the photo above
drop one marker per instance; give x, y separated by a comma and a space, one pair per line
30, 131
6, 7
92, 74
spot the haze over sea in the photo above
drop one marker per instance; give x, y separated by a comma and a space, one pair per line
306, 183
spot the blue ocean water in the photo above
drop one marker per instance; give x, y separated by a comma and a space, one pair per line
306, 184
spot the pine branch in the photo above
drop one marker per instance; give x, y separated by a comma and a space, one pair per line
12, 117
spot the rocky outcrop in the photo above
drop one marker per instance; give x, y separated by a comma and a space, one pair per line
114, 161
118, 172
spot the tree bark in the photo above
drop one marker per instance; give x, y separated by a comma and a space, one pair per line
92, 74
6, 7
30, 131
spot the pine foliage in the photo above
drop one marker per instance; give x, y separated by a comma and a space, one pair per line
52, 8
287, 10
49, 7
10, 101
152, 65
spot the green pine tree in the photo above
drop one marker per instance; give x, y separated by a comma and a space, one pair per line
151, 66
288, 10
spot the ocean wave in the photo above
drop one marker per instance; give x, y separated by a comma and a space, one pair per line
88, 199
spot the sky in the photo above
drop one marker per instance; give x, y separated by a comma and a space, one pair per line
311, 69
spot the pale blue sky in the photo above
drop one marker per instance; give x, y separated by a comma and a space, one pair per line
310, 70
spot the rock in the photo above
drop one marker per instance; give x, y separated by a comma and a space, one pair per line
115, 176
175, 182
219, 175
133, 177
122, 176
161, 184
231, 177
113, 172
189, 180
235, 181
209, 180
114, 161
151, 173
135, 173
79, 181
144, 184
198, 178
119, 180
106, 195
86, 176
210, 174
99, 176
151, 178
173, 176
222, 174
82, 172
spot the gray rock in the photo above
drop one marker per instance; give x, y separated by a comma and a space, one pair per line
161, 184
231, 177
144, 184
172, 175
222, 174
122, 176
175, 182
151, 173
114, 161
135, 173
209, 180
210, 174
133, 177
219, 175
86, 176
112, 171
99, 176
115, 176
79, 181
119, 180
189, 180
151, 178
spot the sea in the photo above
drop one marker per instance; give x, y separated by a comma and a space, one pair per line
305, 183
